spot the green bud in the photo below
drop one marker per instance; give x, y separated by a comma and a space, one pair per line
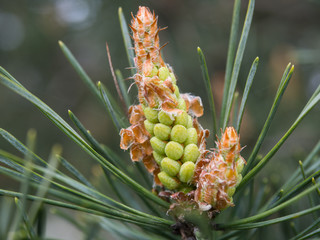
151, 114
157, 157
171, 167
186, 171
154, 71
182, 119
163, 73
174, 150
162, 131
182, 104
169, 182
173, 78
192, 136
149, 127
191, 153
176, 91
158, 145
165, 118
190, 122
240, 164
179, 134
231, 191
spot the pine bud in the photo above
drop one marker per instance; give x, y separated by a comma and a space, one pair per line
178, 142
165, 118
182, 119
171, 167
192, 136
149, 126
186, 172
163, 73
190, 122
191, 153
179, 134
174, 150
162, 131
154, 71
182, 104
173, 78
158, 157
176, 91
151, 114
169, 182
158, 145
218, 179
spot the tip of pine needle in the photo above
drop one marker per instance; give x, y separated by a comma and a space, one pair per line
32, 133
61, 44
56, 149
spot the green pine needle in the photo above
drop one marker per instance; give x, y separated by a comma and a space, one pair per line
207, 83
237, 64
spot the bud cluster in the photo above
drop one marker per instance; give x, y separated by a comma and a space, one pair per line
174, 141
165, 133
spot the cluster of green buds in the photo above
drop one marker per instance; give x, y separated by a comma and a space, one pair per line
165, 133
174, 141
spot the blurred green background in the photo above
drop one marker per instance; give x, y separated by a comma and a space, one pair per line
282, 31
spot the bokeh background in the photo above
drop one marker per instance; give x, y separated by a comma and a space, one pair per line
282, 31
